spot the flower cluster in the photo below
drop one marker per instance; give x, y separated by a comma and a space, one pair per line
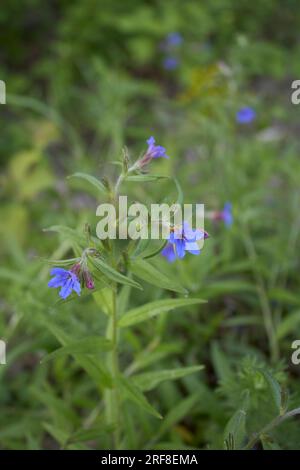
181, 240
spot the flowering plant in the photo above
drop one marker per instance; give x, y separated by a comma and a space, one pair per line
108, 269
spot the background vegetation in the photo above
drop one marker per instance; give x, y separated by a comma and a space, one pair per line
85, 78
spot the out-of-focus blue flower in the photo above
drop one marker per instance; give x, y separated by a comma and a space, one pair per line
67, 280
170, 63
153, 151
245, 115
182, 239
174, 39
226, 214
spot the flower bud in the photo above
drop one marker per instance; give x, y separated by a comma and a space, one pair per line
88, 280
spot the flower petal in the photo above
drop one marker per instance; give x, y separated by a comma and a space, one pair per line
192, 247
56, 281
169, 252
66, 289
59, 272
180, 248
76, 286
227, 214
151, 141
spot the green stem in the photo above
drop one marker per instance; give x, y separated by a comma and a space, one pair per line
112, 398
275, 422
112, 395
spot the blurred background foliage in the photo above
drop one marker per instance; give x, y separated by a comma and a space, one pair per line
85, 78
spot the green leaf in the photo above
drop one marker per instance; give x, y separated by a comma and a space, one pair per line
157, 250
180, 197
229, 287
268, 444
91, 345
220, 362
150, 380
235, 431
61, 262
131, 392
284, 296
176, 414
149, 273
288, 324
84, 435
144, 178
142, 245
92, 366
112, 274
140, 314
68, 233
58, 434
274, 388
104, 300
92, 180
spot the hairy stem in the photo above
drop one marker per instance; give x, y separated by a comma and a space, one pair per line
112, 398
112, 394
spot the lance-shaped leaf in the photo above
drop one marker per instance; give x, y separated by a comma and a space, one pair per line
140, 314
92, 180
176, 414
91, 434
112, 274
92, 365
150, 380
149, 273
133, 393
61, 262
91, 345
144, 178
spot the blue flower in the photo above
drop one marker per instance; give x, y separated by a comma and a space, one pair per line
169, 252
67, 280
174, 39
182, 239
170, 63
153, 151
245, 115
226, 214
